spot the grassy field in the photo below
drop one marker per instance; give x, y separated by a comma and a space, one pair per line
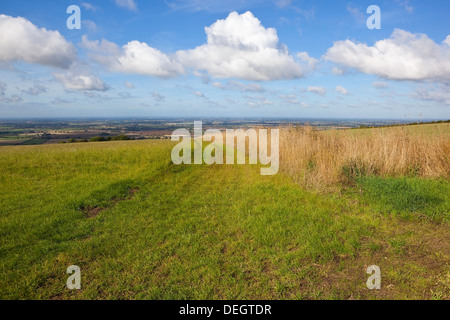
140, 227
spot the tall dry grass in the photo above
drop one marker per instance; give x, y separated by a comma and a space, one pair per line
325, 159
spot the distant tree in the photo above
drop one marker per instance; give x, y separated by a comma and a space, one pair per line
121, 137
97, 139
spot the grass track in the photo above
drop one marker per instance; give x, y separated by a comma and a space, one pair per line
208, 232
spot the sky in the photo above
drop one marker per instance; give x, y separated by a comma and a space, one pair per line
235, 58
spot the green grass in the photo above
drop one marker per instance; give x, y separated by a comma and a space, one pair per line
410, 196
208, 232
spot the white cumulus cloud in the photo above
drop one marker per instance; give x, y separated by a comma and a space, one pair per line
341, 90
447, 41
134, 58
241, 47
318, 90
20, 40
404, 56
81, 81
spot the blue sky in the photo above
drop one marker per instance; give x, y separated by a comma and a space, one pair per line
236, 58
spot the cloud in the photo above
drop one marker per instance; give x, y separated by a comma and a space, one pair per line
20, 40
237, 47
36, 90
89, 6
60, 101
283, 3
437, 93
356, 13
127, 4
291, 98
3, 98
92, 94
204, 76
3, 87
380, 85
240, 47
311, 62
341, 90
13, 99
157, 96
199, 94
447, 41
134, 58
129, 85
81, 81
317, 90
125, 95
404, 56
337, 71
89, 25
260, 103
307, 14
239, 86
406, 5
214, 6
305, 105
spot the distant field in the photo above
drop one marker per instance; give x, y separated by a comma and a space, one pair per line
34, 142
422, 129
142, 228
21, 141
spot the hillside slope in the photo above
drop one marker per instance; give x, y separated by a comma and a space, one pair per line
140, 227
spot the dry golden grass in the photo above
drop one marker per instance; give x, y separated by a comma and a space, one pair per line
326, 159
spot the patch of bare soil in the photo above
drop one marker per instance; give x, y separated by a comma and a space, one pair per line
93, 211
